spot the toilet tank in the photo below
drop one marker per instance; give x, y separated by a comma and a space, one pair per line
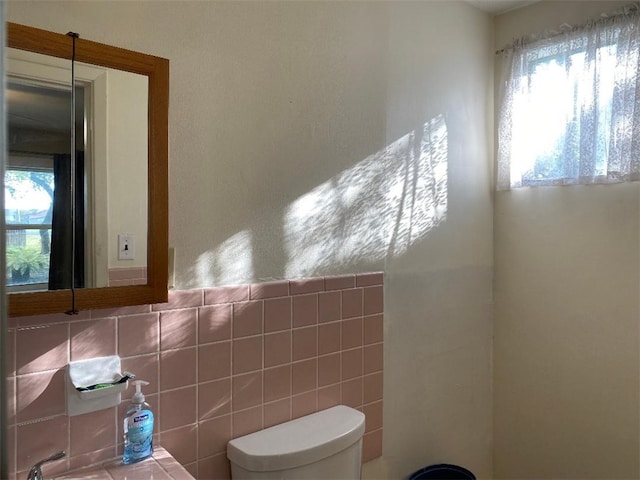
323, 445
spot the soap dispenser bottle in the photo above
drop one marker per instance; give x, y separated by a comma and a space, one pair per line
138, 427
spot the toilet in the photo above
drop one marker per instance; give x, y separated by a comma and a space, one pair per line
323, 445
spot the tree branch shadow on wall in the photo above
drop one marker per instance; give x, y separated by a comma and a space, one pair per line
365, 215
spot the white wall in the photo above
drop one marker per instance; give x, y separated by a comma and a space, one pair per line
314, 138
127, 154
566, 365
438, 307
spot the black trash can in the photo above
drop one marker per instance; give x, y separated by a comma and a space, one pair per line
443, 471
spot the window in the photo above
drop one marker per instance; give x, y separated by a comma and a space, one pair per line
29, 186
568, 113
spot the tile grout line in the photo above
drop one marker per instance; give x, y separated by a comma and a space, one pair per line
66, 400
262, 303
117, 349
197, 367
362, 351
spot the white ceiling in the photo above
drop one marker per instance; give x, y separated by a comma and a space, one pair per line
499, 6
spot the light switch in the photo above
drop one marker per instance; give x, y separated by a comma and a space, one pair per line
126, 248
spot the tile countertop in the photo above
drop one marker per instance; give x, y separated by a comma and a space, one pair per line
162, 466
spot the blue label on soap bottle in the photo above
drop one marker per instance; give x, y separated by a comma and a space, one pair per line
138, 437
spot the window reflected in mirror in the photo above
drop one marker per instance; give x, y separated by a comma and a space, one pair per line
28, 214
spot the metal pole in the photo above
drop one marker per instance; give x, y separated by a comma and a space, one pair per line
73, 310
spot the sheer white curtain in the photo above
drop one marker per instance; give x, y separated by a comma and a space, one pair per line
570, 106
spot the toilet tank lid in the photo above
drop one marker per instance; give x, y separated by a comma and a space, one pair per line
298, 442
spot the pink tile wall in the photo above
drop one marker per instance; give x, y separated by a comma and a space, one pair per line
127, 276
222, 362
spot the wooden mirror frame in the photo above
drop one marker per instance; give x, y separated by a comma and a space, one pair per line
157, 70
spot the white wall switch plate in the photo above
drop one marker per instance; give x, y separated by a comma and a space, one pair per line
126, 247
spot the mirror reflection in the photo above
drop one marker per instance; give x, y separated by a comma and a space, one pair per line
111, 175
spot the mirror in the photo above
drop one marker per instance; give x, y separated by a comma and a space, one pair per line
111, 141
121, 195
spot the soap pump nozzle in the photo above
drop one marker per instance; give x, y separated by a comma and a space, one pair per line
138, 397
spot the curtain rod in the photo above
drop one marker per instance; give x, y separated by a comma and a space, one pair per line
627, 10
